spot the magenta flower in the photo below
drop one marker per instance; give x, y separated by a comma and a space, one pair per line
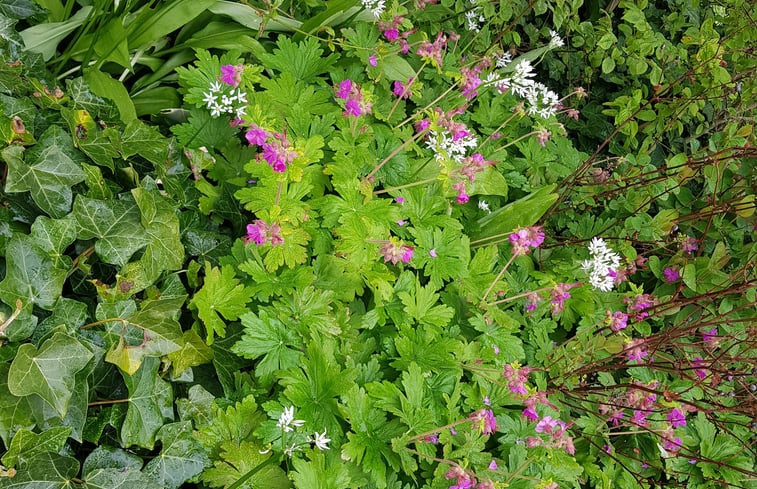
433, 51
400, 200
463, 480
672, 444
676, 418
549, 425
344, 89
698, 363
559, 295
710, 336
255, 136
618, 321
689, 244
256, 232
530, 413
432, 252
671, 275
432, 438
516, 377
493, 465
278, 153
470, 82
401, 90
260, 233
486, 421
391, 34
526, 238
372, 60
395, 251
422, 125
231, 74
636, 351
639, 418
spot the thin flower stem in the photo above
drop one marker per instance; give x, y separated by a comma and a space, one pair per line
407, 185
240, 482
507, 121
429, 457
524, 294
410, 82
110, 401
499, 276
394, 153
438, 430
428, 106
278, 193
517, 471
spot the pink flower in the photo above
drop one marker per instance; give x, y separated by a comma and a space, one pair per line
516, 378
493, 465
549, 425
462, 198
372, 60
255, 135
391, 34
401, 90
432, 252
395, 251
531, 414
676, 418
639, 304
433, 51
636, 351
698, 363
432, 438
710, 337
400, 200
526, 238
559, 295
256, 232
470, 82
231, 74
260, 233
689, 244
639, 418
542, 136
487, 423
422, 125
672, 445
615, 417
277, 152
344, 88
617, 320
533, 301
671, 275
463, 480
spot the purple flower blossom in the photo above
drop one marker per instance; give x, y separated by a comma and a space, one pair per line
617, 320
255, 136
639, 418
260, 233
526, 238
516, 377
549, 425
343, 91
402, 90
372, 60
710, 336
493, 465
395, 251
689, 244
698, 363
231, 74
676, 418
531, 414
671, 275
400, 200
636, 350
432, 438
559, 295
487, 423
277, 152
432, 252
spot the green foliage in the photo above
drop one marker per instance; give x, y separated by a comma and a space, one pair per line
288, 294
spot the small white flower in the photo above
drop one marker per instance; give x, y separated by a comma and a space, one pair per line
504, 60
483, 206
287, 421
216, 86
602, 266
291, 449
320, 440
209, 98
555, 41
376, 7
216, 110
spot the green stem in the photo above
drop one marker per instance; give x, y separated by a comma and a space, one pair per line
499, 276
407, 185
248, 475
524, 294
395, 153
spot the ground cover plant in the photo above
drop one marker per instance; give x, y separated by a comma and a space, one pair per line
377, 244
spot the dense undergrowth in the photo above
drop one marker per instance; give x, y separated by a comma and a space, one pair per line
377, 244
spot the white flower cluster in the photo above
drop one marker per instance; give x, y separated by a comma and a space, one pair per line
474, 17
555, 40
376, 7
225, 99
540, 99
288, 424
602, 266
445, 146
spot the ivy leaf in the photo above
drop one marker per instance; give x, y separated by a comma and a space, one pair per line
180, 458
268, 337
237, 460
150, 401
106, 457
31, 275
225, 362
121, 478
48, 372
26, 444
54, 236
164, 250
44, 471
19, 9
14, 411
115, 224
49, 177
148, 142
221, 295
160, 334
